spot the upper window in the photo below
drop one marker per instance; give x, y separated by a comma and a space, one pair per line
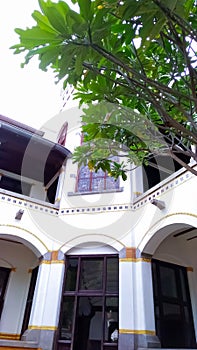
90, 181
11, 184
62, 134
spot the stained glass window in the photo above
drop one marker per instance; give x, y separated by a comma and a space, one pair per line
90, 181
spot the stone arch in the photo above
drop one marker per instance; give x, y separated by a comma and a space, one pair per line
6, 263
93, 238
26, 237
171, 243
164, 228
92, 248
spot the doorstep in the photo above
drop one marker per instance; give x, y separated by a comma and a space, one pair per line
18, 345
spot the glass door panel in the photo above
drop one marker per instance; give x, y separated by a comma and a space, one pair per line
173, 313
71, 275
91, 274
112, 274
89, 323
111, 320
168, 282
89, 309
67, 318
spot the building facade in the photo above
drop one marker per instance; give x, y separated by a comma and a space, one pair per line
87, 263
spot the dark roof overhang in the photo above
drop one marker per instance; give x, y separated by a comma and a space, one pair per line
27, 154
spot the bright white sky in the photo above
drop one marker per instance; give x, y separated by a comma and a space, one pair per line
28, 95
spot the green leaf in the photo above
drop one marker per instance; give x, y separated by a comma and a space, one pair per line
150, 88
49, 57
35, 37
57, 20
124, 176
85, 9
42, 22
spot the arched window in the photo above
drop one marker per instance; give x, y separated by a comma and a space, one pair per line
62, 134
91, 181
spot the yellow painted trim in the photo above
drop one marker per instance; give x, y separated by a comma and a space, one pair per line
57, 261
135, 331
45, 328
190, 269
46, 262
9, 336
49, 262
166, 217
25, 230
135, 260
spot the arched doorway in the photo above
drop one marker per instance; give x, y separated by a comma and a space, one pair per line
173, 250
18, 264
173, 312
89, 309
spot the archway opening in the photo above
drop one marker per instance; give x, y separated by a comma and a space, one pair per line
18, 275
173, 250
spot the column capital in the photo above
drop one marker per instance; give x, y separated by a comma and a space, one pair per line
134, 255
128, 253
51, 257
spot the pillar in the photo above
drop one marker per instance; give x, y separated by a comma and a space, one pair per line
136, 306
46, 302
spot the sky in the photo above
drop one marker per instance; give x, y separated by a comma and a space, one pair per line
28, 94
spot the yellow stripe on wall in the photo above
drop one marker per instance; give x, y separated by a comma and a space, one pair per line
135, 331
135, 260
49, 262
10, 336
46, 328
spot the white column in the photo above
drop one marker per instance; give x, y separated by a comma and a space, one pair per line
136, 305
143, 297
47, 296
126, 296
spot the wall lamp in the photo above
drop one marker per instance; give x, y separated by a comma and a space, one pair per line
159, 204
19, 214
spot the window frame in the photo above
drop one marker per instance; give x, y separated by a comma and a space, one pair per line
103, 176
92, 175
78, 293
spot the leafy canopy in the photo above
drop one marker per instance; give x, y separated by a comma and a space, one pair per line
133, 63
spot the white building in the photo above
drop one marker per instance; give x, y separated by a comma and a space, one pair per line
87, 263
